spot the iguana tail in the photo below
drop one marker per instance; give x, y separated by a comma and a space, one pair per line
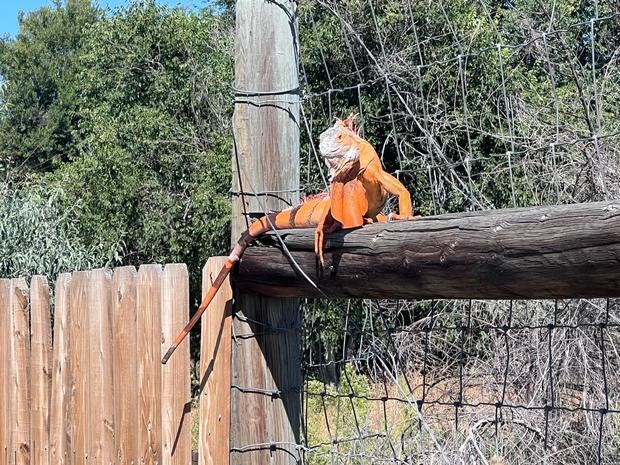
203, 306
302, 215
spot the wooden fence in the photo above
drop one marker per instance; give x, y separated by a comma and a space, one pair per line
92, 388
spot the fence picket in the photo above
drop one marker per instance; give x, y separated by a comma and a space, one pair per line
20, 373
80, 380
175, 393
215, 353
60, 403
5, 308
40, 356
100, 368
148, 327
125, 365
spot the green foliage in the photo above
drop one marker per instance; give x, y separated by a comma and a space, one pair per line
38, 115
40, 235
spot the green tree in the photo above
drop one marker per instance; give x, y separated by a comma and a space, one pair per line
39, 67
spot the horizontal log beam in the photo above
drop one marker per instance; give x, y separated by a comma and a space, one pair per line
566, 251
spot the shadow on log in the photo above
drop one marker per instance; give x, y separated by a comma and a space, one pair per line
566, 251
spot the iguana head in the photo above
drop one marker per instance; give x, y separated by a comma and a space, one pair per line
339, 144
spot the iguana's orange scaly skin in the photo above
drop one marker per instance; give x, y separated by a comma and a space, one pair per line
358, 189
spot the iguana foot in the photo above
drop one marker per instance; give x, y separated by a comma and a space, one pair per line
395, 216
379, 218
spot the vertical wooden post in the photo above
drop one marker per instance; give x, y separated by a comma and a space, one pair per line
149, 331
175, 376
41, 372
266, 117
215, 339
101, 393
266, 381
20, 373
79, 362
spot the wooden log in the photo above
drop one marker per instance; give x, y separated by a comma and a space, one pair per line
21, 452
125, 355
60, 453
149, 332
566, 251
175, 391
215, 370
41, 372
5, 369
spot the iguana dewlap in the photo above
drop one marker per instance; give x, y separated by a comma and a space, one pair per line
357, 192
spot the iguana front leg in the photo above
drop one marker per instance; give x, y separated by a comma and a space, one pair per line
395, 187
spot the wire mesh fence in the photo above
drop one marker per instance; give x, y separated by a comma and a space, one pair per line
475, 104
465, 382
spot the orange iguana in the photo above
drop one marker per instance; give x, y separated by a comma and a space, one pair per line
357, 192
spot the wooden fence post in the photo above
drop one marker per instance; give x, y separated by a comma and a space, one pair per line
149, 330
266, 384
41, 373
20, 373
125, 356
215, 339
80, 385
101, 394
